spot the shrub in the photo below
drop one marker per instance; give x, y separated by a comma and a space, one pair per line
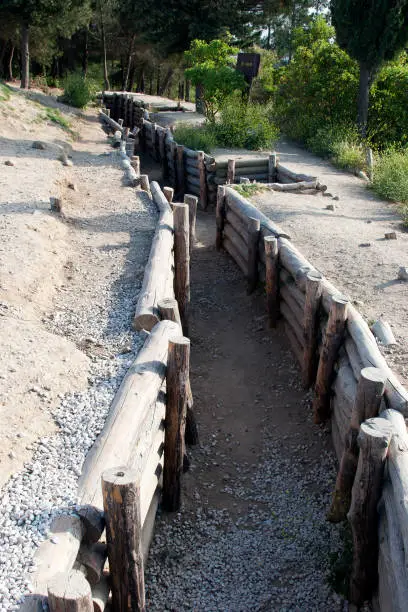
54, 115
391, 177
341, 144
245, 125
4, 92
200, 138
77, 90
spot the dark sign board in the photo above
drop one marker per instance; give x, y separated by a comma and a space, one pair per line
248, 64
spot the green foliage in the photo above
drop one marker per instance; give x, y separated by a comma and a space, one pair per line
264, 86
200, 138
4, 92
211, 71
245, 125
341, 144
54, 115
391, 177
373, 31
78, 91
249, 189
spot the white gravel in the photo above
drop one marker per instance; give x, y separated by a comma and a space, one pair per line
95, 312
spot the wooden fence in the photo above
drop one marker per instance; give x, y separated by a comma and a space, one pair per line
353, 384
138, 458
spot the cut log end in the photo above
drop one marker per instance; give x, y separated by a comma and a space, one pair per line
145, 322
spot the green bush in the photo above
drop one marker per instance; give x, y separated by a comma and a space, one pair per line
4, 92
200, 138
78, 91
341, 144
245, 125
391, 178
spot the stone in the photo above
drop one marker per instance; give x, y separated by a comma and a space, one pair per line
330, 207
37, 144
72, 186
365, 244
403, 273
8, 162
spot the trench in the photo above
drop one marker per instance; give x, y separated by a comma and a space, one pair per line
252, 531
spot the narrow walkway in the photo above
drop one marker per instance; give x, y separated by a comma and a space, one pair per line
251, 534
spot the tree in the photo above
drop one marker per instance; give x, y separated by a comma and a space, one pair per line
211, 70
41, 13
371, 32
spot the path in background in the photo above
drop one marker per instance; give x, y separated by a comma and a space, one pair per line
347, 244
251, 534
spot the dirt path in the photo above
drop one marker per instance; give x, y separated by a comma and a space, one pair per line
251, 534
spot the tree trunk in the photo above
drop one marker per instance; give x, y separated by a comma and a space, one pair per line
363, 100
158, 81
2, 56
268, 39
25, 57
131, 77
125, 83
106, 83
86, 53
10, 64
166, 81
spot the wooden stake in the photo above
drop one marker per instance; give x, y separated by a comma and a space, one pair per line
92, 560
203, 180
168, 193
272, 168
231, 171
144, 183
177, 377
330, 347
70, 593
254, 227
220, 216
272, 279
121, 502
93, 522
192, 202
182, 261
180, 171
135, 163
168, 309
373, 440
310, 326
367, 404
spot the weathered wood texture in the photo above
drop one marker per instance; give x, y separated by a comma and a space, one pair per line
182, 261
367, 404
178, 368
373, 440
192, 203
220, 217
121, 501
70, 592
254, 226
272, 279
245, 209
158, 267
331, 343
310, 328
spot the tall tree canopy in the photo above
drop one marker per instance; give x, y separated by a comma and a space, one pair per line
371, 32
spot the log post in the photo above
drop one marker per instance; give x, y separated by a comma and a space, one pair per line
135, 163
121, 503
203, 180
332, 340
144, 183
373, 440
71, 592
272, 161
254, 227
192, 202
177, 377
120, 121
182, 261
310, 326
168, 194
168, 309
231, 171
92, 561
272, 279
162, 151
370, 390
220, 216
180, 171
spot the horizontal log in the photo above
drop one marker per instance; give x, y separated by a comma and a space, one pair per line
296, 310
285, 173
192, 180
157, 267
338, 441
288, 187
111, 122
190, 153
238, 224
244, 170
236, 240
192, 163
153, 470
192, 172
288, 280
230, 248
396, 395
245, 209
293, 341
294, 262
337, 410
193, 189
252, 176
247, 162
291, 320
353, 356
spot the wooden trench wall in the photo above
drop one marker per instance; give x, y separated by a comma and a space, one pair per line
333, 345
128, 456
184, 169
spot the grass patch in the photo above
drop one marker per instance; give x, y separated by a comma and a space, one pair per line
5, 93
54, 115
340, 563
249, 189
198, 137
340, 144
391, 178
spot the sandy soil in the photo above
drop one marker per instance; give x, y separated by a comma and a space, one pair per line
334, 241
51, 265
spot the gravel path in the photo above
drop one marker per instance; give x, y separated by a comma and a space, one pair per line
251, 534
109, 233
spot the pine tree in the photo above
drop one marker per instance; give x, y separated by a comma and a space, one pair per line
372, 32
